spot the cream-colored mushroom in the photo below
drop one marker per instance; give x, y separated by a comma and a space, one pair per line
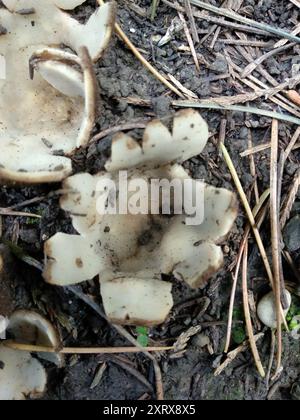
21, 376
266, 309
28, 327
49, 112
137, 301
129, 251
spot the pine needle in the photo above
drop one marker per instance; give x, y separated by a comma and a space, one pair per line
239, 108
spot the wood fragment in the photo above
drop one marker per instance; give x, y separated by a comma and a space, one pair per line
235, 353
183, 339
215, 38
246, 42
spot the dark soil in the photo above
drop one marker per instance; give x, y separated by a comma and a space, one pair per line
121, 78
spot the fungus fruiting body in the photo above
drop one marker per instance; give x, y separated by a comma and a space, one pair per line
266, 309
21, 375
131, 251
48, 112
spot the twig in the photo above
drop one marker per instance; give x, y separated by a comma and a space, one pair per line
253, 168
142, 59
82, 350
252, 66
248, 211
290, 199
9, 212
118, 128
186, 92
256, 210
246, 42
189, 12
239, 108
252, 221
234, 354
276, 253
190, 40
248, 315
235, 16
261, 148
271, 360
291, 144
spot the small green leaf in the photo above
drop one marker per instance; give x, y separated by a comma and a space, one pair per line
142, 337
143, 340
239, 335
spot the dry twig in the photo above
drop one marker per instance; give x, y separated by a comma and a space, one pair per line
276, 252
249, 326
239, 108
256, 210
234, 354
82, 350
